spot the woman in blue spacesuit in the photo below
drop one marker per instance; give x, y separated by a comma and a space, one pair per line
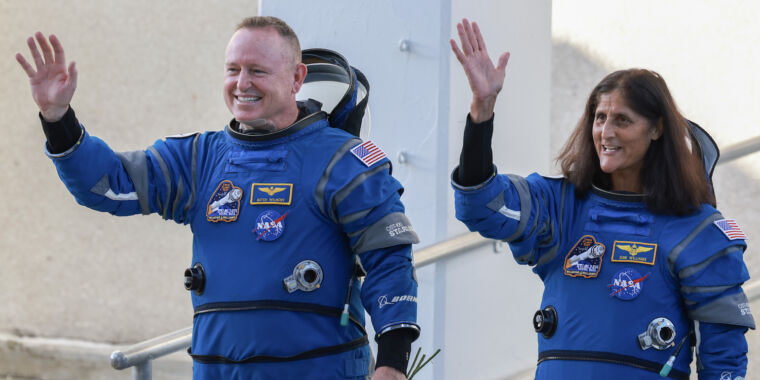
634, 257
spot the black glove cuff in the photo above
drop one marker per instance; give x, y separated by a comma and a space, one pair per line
476, 160
62, 134
393, 348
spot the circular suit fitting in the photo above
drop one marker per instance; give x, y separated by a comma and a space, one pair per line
307, 276
660, 334
545, 321
195, 278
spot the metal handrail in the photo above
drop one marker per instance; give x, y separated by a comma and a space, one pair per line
141, 354
451, 247
739, 150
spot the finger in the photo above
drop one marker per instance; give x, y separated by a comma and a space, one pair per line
503, 59
25, 65
470, 35
466, 47
35, 53
458, 53
47, 52
60, 55
479, 37
73, 74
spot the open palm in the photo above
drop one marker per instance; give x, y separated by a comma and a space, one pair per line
486, 80
52, 84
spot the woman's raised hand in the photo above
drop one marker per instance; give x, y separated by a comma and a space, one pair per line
486, 80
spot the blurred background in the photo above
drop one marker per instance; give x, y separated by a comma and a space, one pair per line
76, 285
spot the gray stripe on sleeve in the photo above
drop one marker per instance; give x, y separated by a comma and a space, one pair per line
136, 165
193, 174
552, 253
732, 309
319, 191
497, 204
355, 216
673, 255
705, 289
180, 193
343, 193
102, 187
523, 191
392, 229
167, 179
692, 269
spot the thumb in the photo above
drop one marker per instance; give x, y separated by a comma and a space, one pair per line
503, 59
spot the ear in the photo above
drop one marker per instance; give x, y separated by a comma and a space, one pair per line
656, 131
299, 75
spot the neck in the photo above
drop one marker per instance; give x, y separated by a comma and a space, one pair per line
629, 182
287, 118
275, 124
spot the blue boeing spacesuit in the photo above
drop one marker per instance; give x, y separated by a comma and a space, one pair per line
622, 285
283, 223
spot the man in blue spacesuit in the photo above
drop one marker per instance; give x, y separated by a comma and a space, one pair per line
286, 211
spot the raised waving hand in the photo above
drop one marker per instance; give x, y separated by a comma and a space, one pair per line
486, 80
52, 83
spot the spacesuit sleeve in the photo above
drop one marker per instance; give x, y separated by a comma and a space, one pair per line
709, 267
159, 179
365, 201
722, 352
524, 212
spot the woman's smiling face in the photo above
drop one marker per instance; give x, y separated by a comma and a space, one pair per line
621, 139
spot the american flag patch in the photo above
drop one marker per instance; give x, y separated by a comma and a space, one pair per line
368, 153
730, 229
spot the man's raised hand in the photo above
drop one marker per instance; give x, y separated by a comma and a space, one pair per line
52, 83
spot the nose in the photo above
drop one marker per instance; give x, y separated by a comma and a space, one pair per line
244, 81
608, 130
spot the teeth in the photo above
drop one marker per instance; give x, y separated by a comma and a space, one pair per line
610, 148
248, 98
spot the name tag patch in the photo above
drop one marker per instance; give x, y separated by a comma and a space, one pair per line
634, 252
272, 194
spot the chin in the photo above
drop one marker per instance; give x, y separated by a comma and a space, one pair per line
608, 169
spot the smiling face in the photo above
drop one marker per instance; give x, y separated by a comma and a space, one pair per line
621, 139
262, 76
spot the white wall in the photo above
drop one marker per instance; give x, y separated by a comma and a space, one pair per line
419, 100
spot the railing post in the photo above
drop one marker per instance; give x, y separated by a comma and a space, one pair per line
143, 371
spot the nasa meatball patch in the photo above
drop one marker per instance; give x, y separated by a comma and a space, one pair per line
269, 225
585, 258
627, 284
224, 204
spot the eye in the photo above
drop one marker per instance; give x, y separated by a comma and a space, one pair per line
600, 117
625, 120
232, 70
257, 72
